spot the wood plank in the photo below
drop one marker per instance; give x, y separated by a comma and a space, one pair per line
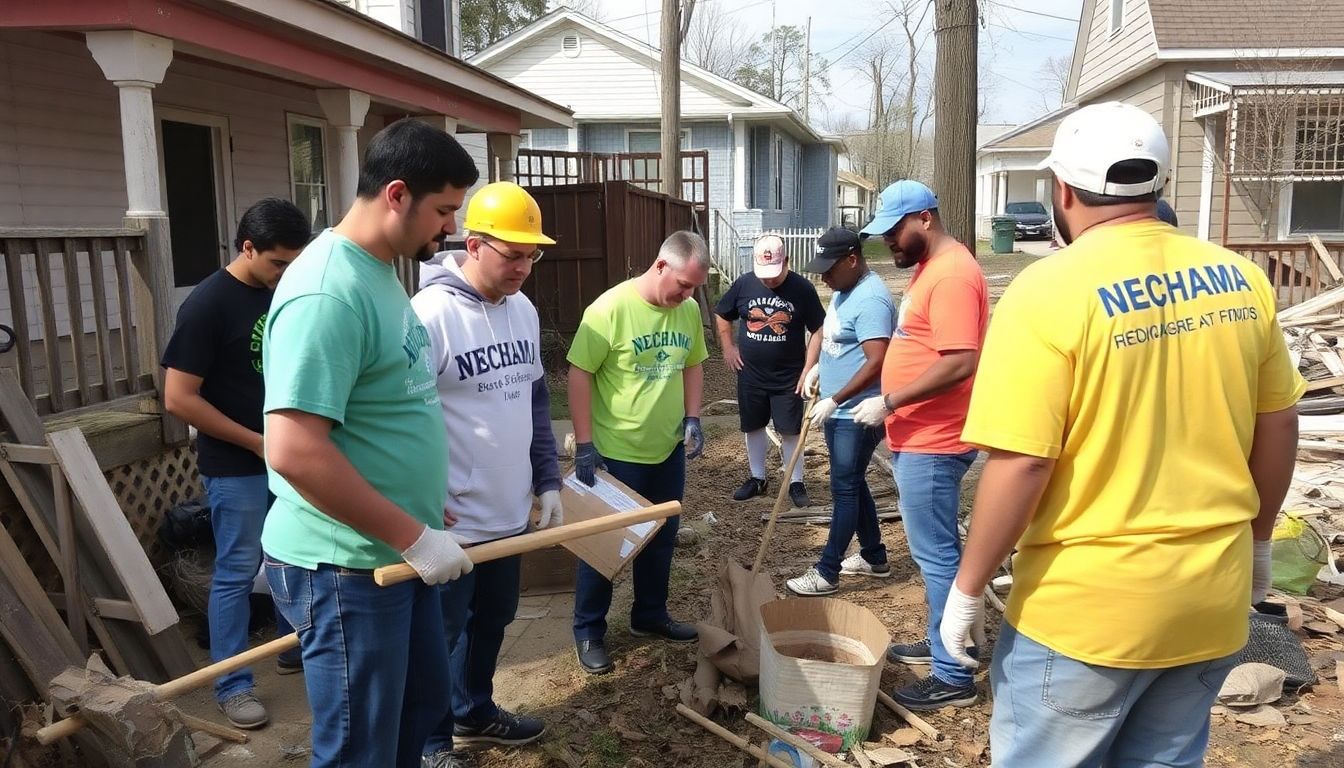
103, 513
130, 363
1330, 383
102, 333
1329, 355
18, 302
1314, 305
51, 340
68, 563
29, 622
40, 232
1326, 260
27, 454
102, 606
75, 312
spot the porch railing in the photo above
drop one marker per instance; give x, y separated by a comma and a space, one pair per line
732, 248
547, 167
67, 298
1297, 270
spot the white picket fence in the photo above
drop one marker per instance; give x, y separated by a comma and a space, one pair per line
732, 251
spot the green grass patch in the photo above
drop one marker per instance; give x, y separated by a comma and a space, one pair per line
604, 750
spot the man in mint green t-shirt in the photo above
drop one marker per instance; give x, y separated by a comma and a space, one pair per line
357, 458
635, 384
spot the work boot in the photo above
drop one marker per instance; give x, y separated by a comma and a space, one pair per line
506, 728
672, 631
856, 565
920, 653
932, 694
753, 487
811, 584
289, 663
244, 710
593, 657
445, 759
798, 495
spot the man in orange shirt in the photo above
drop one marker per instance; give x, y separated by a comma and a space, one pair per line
926, 391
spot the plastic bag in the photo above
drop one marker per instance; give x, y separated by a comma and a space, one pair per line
1299, 551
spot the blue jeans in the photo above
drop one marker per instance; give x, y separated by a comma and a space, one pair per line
237, 511
374, 662
929, 485
851, 446
476, 609
664, 481
1083, 715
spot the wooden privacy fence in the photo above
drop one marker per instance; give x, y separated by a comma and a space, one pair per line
68, 301
546, 167
604, 232
1297, 270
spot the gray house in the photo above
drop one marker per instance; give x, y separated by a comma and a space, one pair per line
767, 168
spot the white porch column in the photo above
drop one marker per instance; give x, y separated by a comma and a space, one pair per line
345, 110
739, 165
1003, 193
503, 152
135, 62
444, 122
1207, 162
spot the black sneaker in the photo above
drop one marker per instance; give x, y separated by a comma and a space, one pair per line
920, 653
507, 728
593, 657
931, 694
289, 663
672, 631
445, 760
752, 488
798, 495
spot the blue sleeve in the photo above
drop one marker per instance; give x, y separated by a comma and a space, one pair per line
875, 320
545, 457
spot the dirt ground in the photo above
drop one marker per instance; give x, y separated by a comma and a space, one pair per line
628, 718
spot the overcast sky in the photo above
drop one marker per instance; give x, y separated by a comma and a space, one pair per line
1016, 39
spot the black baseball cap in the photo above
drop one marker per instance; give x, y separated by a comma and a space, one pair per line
834, 244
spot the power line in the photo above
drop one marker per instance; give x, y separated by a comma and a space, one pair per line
1031, 34
1033, 13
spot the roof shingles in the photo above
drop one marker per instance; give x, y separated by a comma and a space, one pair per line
1248, 24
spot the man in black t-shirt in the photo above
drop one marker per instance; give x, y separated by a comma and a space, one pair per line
213, 382
776, 309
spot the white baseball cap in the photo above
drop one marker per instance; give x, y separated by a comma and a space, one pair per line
1096, 137
769, 257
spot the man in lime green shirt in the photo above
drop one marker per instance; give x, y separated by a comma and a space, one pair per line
635, 384
1136, 396
357, 458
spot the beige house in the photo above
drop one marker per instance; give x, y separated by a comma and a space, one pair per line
1251, 97
855, 195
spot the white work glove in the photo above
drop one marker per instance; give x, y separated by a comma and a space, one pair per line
552, 513
1262, 571
963, 619
872, 412
823, 410
438, 556
811, 381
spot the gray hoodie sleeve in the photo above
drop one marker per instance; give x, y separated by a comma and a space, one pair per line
545, 457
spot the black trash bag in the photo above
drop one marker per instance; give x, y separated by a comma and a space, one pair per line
1273, 643
187, 526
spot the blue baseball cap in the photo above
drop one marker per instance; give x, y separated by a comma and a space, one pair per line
899, 200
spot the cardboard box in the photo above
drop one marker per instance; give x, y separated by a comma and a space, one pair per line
548, 571
608, 553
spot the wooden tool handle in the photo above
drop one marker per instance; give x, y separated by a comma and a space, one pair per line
732, 738
784, 487
528, 542
910, 717
825, 758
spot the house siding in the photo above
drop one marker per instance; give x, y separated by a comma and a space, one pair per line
550, 138
1105, 55
820, 164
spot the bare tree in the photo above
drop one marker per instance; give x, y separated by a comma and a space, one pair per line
590, 8
955, 105
776, 67
715, 41
1053, 75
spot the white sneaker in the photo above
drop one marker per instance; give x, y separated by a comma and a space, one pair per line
811, 584
855, 565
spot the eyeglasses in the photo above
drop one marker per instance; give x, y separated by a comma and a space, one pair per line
514, 258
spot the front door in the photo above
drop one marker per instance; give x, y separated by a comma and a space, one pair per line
195, 195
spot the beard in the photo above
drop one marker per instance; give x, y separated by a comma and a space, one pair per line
426, 252
911, 252
1061, 224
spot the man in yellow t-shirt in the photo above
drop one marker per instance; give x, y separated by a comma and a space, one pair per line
1136, 396
635, 385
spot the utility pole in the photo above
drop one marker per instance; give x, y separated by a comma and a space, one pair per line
807, 70
955, 101
670, 162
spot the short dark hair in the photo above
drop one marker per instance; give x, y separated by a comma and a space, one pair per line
424, 157
1123, 172
271, 222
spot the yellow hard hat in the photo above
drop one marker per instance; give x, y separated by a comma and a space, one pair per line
506, 211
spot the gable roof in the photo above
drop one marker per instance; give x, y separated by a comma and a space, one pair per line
751, 103
1039, 134
1248, 24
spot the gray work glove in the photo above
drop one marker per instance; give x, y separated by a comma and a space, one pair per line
694, 437
586, 463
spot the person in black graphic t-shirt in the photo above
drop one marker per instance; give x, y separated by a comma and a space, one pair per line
774, 309
213, 382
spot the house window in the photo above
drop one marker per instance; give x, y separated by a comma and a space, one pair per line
569, 45
1318, 206
308, 169
779, 175
797, 178
652, 141
524, 139
1117, 15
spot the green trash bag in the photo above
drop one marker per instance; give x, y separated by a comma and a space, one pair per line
1299, 553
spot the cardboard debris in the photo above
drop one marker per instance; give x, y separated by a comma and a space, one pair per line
1262, 716
610, 552
883, 756
1252, 684
904, 737
135, 729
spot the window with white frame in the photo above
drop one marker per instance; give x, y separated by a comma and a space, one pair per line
652, 141
1317, 206
1117, 15
525, 139
308, 169
779, 175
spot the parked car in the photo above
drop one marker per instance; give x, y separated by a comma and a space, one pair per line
1033, 223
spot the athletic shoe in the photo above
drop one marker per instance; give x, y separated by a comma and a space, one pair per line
920, 653
506, 728
798, 495
811, 584
752, 488
244, 710
857, 566
931, 694
672, 631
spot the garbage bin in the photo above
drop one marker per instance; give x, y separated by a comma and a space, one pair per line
1004, 231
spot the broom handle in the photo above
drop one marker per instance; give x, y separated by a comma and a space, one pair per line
784, 487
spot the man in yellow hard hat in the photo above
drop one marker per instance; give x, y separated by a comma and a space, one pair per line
484, 339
